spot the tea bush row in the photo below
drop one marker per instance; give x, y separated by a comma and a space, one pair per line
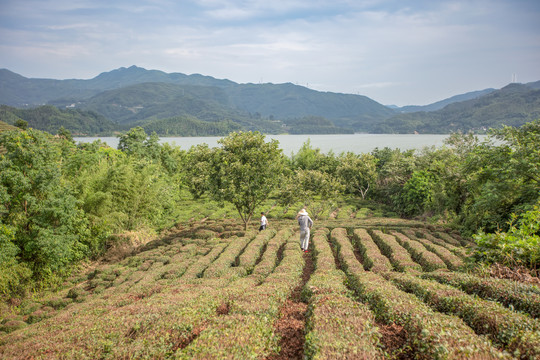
452, 261
428, 260
430, 335
451, 240
345, 250
337, 326
255, 249
517, 332
196, 270
397, 254
522, 297
456, 248
268, 260
151, 322
222, 267
372, 257
245, 329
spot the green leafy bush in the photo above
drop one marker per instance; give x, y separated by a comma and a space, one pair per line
14, 277
416, 194
520, 245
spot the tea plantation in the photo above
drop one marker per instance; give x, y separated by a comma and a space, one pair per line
367, 289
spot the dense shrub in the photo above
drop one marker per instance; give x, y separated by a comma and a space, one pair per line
520, 245
14, 278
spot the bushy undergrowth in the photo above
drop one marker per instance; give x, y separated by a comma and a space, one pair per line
519, 246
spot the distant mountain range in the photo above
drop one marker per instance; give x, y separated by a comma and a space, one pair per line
513, 105
440, 104
187, 105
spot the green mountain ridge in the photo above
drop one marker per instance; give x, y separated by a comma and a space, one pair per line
135, 95
513, 105
291, 101
51, 119
158, 100
441, 104
172, 102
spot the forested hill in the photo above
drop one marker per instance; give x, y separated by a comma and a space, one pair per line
513, 105
17, 90
114, 93
441, 104
51, 119
175, 104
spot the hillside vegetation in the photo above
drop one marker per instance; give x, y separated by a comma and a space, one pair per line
512, 105
135, 96
151, 251
6, 127
441, 104
51, 119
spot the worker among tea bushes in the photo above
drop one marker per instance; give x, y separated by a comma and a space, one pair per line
264, 222
305, 223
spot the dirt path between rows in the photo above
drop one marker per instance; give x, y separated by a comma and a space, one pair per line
291, 324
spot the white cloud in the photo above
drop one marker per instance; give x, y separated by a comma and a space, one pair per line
391, 52
378, 85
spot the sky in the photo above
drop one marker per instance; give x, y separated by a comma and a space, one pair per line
394, 51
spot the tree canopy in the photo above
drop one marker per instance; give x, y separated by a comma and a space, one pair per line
245, 171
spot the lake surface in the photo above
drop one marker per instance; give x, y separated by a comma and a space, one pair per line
356, 143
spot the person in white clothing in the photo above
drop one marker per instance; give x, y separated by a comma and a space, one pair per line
264, 222
305, 223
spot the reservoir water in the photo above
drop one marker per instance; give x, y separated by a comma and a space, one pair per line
356, 143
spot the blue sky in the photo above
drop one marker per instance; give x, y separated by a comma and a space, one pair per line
393, 51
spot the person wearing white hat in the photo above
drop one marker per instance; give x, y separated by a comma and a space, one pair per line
264, 222
305, 223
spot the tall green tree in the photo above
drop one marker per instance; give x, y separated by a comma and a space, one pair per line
394, 168
66, 134
199, 169
136, 142
316, 190
357, 173
503, 177
245, 171
416, 194
21, 124
309, 158
50, 230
